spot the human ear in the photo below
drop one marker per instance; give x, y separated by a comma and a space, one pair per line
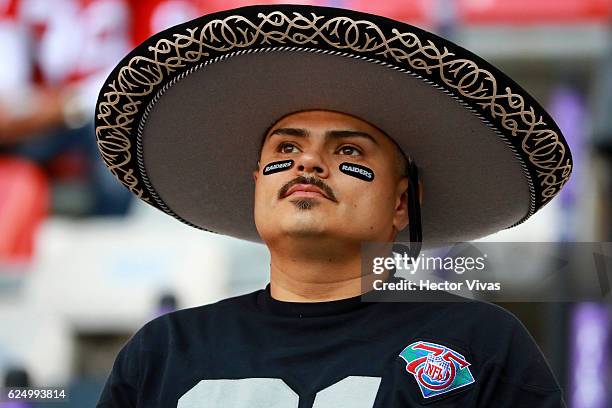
421, 188
400, 217
256, 172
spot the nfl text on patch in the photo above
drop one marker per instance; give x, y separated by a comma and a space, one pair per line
275, 167
356, 170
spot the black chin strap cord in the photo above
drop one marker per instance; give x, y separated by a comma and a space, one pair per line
414, 215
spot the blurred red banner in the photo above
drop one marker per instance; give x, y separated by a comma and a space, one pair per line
151, 16
417, 12
532, 11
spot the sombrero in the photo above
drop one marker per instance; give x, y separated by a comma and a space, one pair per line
180, 120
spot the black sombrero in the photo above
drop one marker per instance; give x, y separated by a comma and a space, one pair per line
180, 120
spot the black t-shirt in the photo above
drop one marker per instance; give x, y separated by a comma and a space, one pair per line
258, 352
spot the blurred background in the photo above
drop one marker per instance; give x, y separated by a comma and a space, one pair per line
83, 265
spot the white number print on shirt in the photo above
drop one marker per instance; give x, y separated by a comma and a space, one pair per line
352, 391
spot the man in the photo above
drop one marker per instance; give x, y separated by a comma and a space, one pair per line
332, 173
313, 218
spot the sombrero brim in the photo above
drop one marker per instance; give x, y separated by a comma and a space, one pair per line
181, 118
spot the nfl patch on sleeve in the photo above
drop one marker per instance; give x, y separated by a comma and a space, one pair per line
437, 369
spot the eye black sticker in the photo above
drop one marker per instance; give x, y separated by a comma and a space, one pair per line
275, 167
356, 170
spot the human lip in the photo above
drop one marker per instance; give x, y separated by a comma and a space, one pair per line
305, 190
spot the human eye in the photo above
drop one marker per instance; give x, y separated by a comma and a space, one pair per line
285, 147
349, 150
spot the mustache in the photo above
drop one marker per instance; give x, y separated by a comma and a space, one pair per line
315, 181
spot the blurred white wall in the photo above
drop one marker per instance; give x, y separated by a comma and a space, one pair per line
106, 275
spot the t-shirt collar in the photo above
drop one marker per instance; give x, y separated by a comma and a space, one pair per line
308, 309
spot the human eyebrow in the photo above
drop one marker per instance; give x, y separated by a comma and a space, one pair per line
290, 132
340, 134
330, 134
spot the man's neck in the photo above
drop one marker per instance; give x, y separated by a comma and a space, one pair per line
315, 274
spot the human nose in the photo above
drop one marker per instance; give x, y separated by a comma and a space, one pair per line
312, 163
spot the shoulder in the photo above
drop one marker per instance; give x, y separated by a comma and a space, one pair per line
486, 313
454, 311
176, 331
487, 326
494, 324
490, 334
483, 327
181, 325
508, 344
